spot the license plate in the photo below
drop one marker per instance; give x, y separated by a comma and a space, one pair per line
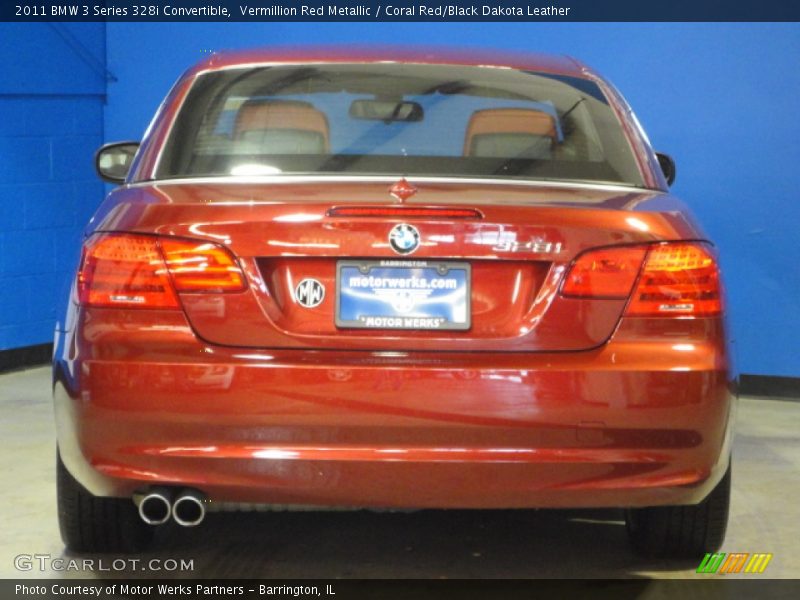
396, 294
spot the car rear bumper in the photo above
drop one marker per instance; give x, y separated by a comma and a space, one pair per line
643, 420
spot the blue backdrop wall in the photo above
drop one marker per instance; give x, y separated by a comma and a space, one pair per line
52, 91
721, 98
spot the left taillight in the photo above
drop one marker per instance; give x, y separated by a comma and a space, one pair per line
140, 271
198, 266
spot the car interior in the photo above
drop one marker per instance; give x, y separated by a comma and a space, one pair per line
503, 132
283, 126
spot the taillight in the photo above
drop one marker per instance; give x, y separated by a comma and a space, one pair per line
201, 267
671, 279
678, 279
125, 271
604, 273
130, 270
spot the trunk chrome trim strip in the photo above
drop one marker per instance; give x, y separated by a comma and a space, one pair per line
293, 179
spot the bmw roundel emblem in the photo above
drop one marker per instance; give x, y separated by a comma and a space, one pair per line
404, 238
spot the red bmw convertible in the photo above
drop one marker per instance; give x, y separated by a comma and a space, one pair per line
393, 279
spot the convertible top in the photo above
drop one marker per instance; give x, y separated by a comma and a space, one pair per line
561, 65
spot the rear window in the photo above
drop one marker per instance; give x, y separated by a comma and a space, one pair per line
397, 119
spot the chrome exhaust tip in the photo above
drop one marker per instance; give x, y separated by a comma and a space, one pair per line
189, 509
155, 508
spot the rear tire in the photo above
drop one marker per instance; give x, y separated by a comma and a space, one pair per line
682, 531
95, 524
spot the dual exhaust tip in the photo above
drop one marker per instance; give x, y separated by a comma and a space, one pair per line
188, 509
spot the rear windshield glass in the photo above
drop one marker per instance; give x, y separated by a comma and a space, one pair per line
397, 119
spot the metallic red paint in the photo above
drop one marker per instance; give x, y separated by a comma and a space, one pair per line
547, 401
402, 190
640, 421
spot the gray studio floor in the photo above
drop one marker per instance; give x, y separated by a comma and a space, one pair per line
427, 544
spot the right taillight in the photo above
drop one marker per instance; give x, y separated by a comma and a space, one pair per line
672, 279
677, 279
604, 273
140, 271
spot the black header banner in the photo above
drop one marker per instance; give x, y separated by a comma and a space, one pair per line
399, 10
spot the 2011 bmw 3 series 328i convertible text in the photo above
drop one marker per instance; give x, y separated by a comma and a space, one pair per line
393, 279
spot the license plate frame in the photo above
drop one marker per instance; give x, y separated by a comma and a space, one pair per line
407, 322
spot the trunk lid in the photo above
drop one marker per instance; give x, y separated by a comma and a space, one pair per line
514, 251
